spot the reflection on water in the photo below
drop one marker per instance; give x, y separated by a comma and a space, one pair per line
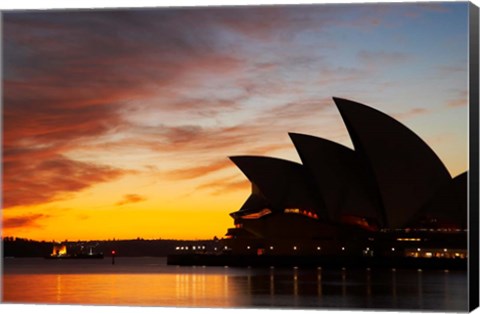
149, 281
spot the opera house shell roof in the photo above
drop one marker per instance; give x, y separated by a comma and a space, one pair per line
391, 179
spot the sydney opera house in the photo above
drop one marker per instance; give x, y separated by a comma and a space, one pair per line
389, 196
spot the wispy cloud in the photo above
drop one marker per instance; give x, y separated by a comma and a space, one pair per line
198, 171
24, 221
225, 185
410, 113
382, 58
31, 182
130, 199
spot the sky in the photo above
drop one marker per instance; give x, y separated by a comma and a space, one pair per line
119, 123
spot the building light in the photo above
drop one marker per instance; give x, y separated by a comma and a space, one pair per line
248, 247
343, 248
444, 250
271, 248
409, 239
194, 247
214, 248
182, 248
226, 247
318, 248
393, 249
368, 249
177, 248
428, 254
294, 247
418, 249
186, 248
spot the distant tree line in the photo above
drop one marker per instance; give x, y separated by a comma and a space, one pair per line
19, 247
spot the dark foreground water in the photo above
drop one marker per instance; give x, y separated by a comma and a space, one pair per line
150, 282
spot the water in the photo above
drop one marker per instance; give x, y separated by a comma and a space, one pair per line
150, 282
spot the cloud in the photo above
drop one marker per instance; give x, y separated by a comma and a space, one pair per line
130, 198
460, 101
225, 185
32, 182
381, 58
29, 221
198, 171
411, 113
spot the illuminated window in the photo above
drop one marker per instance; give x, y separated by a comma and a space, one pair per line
307, 213
409, 239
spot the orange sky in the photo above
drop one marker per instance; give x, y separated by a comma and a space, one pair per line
118, 124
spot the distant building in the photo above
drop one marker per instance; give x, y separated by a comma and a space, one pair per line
59, 250
390, 195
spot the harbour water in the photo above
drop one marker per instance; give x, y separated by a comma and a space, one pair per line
149, 281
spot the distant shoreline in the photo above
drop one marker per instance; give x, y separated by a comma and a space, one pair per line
18, 247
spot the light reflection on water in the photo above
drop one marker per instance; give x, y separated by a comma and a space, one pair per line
150, 282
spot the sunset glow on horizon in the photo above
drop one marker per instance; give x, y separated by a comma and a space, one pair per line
119, 123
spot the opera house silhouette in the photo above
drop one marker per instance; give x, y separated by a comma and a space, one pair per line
390, 195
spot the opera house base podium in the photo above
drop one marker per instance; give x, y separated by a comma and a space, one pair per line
316, 261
